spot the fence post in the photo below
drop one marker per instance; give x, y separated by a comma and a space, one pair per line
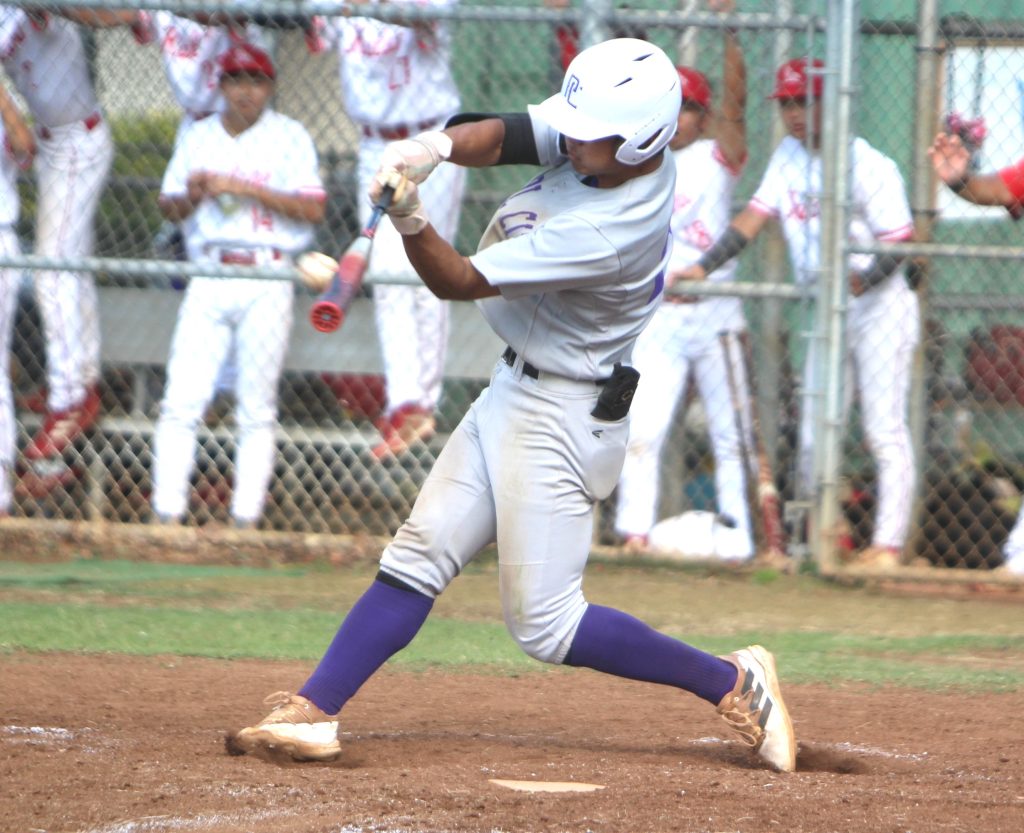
841, 31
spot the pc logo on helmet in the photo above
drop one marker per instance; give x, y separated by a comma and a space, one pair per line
792, 81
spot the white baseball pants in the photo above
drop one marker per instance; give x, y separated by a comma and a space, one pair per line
255, 316
10, 280
665, 354
880, 344
412, 323
71, 169
524, 468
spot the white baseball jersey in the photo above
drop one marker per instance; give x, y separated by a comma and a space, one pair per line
277, 152
790, 192
701, 213
390, 74
190, 51
559, 240
46, 61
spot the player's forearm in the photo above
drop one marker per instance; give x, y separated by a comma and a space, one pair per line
744, 227
100, 18
983, 189
18, 134
734, 86
304, 207
732, 126
177, 208
446, 273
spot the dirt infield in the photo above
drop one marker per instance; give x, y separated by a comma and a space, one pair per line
126, 745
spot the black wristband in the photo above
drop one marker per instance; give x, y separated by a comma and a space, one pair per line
730, 244
960, 184
880, 270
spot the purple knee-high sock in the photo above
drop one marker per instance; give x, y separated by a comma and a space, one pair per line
382, 622
617, 643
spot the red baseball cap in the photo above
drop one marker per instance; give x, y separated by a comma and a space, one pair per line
244, 57
694, 87
791, 80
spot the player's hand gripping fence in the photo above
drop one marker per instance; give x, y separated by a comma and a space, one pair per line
328, 312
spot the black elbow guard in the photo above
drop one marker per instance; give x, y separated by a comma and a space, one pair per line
518, 147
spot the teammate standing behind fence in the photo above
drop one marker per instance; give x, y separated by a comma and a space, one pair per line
251, 181
44, 56
952, 163
396, 82
568, 273
882, 318
17, 148
684, 336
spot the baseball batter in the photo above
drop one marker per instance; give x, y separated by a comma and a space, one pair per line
952, 162
16, 150
396, 82
569, 271
250, 180
882, 319
684, 338
45, 59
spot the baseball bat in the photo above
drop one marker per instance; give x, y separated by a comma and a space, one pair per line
737, 414
328, 311
767, 493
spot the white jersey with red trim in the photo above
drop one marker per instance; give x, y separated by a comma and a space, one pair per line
390, 74
190, 50
277, 152
45, 58
581, 269
701, 213
791, 190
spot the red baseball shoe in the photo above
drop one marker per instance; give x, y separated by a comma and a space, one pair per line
62, 428
407, 427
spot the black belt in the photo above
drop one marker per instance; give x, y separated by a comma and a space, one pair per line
509, 357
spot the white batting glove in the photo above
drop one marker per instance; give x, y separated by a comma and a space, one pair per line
406, 210
417, 157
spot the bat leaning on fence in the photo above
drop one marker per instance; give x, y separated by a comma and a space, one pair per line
768, 503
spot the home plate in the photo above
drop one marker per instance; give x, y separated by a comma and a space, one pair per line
547, 786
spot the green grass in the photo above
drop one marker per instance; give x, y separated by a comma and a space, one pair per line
819, 632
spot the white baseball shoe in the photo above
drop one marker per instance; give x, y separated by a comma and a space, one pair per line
754, 708
295, 727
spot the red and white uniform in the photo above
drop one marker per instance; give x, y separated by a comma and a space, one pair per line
397, 82
254, 316
9, 281
45, 59
683, 338
883, 324
190, 50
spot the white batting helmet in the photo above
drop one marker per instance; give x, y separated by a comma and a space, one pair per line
622, 87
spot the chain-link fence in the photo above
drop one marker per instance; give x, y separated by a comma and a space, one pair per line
926, 461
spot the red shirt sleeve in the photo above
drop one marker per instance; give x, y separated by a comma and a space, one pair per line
1013, 177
